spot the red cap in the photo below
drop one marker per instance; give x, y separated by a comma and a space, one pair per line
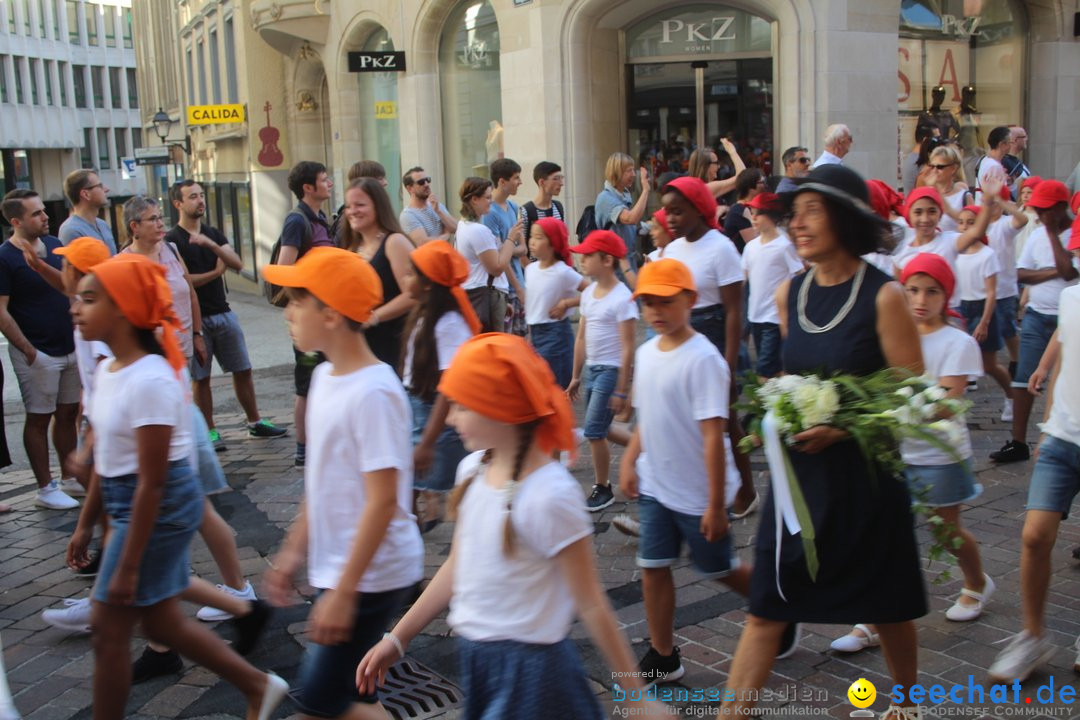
936, 267
557, 235
660, 216
601, 241
1047, 194
1074, 239
884, 199
917, 194
976, 209
1074, 204
766, 201
1030, 182
697, 192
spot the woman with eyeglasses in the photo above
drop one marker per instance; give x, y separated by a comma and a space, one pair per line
947, 177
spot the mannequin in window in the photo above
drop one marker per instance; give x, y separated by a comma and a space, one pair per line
494, 141
943, 119
970, 138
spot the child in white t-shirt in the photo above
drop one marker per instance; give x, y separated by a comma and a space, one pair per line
661, 234
1007, 222
521, 566
977, 281
686, 477
554, 288
603, 353
441, 321
768, 261
355, 529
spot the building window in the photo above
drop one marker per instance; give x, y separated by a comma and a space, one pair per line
121, 142
114, 87
109, 16
86, 153
35, 99
125, 26
97, 82
49, 97
11, 19
73, 22
960, 66
24, 5
40, 18
470, 88
104, 159
201, 59
380, 133
190, 80
215, 70
56, 10
91, 12
18, 81
230, 62
62, 73
78, 73
133, 89
136, 139
3, 78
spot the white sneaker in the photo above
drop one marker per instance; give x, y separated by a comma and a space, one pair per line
209, 614
53, 498
74, 617
72, 487
1007, 411
1022, 656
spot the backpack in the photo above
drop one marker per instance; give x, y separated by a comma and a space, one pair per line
586, 223
274, 294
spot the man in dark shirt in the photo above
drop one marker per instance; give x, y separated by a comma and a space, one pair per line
207, 253
36, 320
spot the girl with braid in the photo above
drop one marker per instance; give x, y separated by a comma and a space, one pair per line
521, 565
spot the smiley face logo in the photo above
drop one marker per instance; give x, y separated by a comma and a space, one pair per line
862, 693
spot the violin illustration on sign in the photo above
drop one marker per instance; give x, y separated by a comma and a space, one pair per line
270, 155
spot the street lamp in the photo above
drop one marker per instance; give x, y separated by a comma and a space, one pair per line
162, 126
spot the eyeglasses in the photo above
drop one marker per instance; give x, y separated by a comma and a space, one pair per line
424, 181
152, 219
95, 187
935, 166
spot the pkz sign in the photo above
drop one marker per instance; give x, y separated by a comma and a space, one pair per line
377, 61
689, 32
711, 30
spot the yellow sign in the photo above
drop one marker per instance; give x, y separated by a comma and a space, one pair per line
214, 114
386, 110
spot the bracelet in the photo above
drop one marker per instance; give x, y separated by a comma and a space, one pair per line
197, 333
397, 643
621, 396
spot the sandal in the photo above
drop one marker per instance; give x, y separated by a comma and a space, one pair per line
750, 509
852, 643
966, 613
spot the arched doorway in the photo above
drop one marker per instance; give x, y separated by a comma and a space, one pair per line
380, 133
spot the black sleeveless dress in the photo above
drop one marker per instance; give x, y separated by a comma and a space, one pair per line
869, 560
385, 338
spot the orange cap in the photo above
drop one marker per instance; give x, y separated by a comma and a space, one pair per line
84, 253
444, 265
664, 277
138, 287
501, 377
340, 279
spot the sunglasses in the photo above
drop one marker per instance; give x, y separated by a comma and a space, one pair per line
424, 181
803, 160
935, 166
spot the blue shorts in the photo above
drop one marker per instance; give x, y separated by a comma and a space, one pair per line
769, 345
1035, 334
943, 485
326, 684
598, 383
1056, 478
1006, 310
449, 451
164, 569
663, 531
225, 341
554, 341
972, 310
211, 476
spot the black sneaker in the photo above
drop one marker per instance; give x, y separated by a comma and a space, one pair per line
153, 664
301, 455
265, 429
789, 641
1012, 451
1076, 552
90, 570
250, 627
656, 668
600, 497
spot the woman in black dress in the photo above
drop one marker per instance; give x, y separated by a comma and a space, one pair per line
841, 316
372, 231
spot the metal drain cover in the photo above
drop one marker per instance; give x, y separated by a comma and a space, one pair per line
413, 691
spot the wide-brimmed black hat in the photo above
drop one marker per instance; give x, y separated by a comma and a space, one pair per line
849, 189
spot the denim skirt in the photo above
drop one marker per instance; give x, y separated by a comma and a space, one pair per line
554, 341
164, 568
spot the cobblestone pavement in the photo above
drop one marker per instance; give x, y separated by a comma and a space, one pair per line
50, 671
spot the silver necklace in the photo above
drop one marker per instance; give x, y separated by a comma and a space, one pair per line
808, 325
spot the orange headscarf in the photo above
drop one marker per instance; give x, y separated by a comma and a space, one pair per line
501, 377
138, 287
444, 265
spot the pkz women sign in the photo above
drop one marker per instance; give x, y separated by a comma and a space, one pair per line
690, 32
377, 61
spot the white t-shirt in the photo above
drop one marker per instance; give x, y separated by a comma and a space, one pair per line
524, 596
473, 238
1002, 236
87, 353
358, 423
1064, 422
943, 244
546, 287
713, 261
1038, 255
147, 392
947, 352
602, 317
972, 269
451, 332
956, 202
656, 254
766, 267
987, 166
685, 386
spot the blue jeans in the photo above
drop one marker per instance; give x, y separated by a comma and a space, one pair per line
1005, 310
598, 384
449, 450
663, 532
1056, 478
768, 343
554, 341
711, 322
1035, 334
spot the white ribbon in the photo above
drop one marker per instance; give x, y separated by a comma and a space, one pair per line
783, 505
